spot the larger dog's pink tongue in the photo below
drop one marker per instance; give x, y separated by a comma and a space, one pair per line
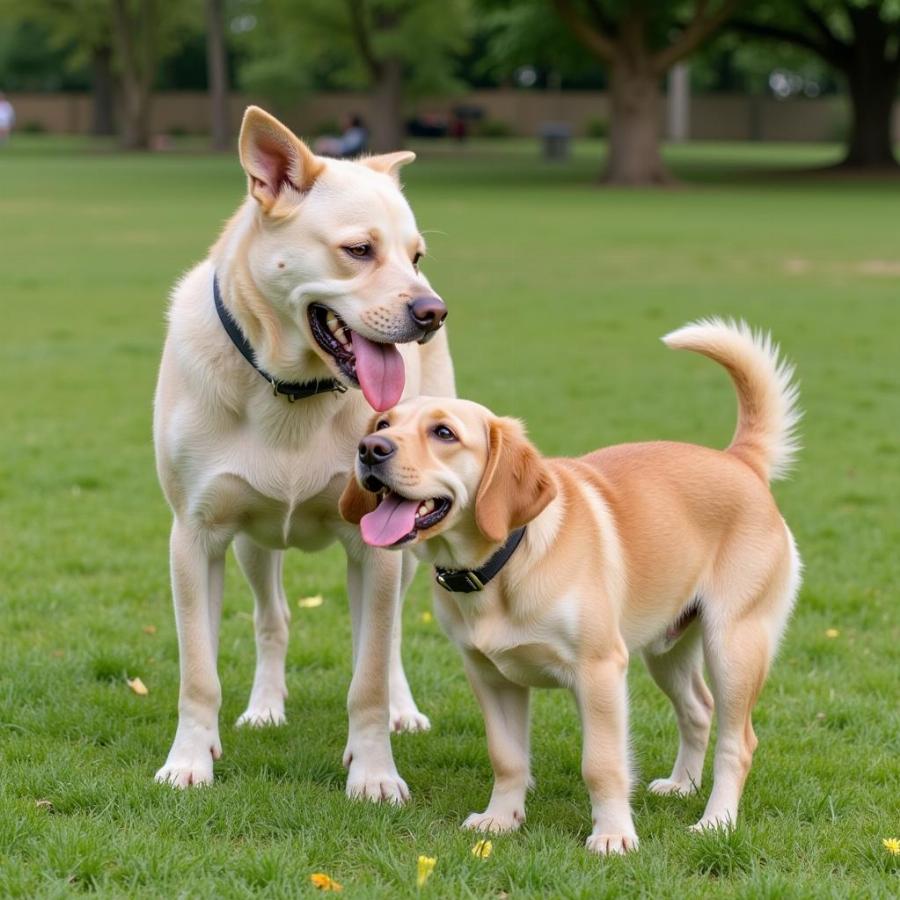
379, 369
394, 518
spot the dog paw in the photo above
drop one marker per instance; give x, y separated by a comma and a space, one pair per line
376, 785
666, 786
495, 822
713, 823
409, 719
183, 772
262, 717
606, 844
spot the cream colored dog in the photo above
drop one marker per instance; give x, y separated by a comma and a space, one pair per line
312, 292
672, 549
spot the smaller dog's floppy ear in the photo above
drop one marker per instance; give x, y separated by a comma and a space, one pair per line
516, 485
278, 164
356, 502
390, 163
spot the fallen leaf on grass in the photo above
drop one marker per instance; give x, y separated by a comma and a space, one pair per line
149, 629
424, 868
138, 686
310, 602
43, 804
325, 882
831, 632
483, 849
426, 617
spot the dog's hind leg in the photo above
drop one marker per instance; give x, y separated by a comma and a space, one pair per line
271, 617
405, 715
679, 674
739, 643
197, 564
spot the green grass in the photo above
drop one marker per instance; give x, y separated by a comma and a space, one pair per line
558, 292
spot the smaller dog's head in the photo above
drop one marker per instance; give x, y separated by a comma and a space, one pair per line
439, 466
335, 251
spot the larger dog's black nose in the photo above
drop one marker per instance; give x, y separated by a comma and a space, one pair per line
428, 312
376, 449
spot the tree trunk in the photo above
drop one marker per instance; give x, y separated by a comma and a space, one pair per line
136, 45
102, 91
217, 68
388, 131
873, 88
634, 134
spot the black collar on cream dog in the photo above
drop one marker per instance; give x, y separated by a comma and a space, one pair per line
468, 581
293, 391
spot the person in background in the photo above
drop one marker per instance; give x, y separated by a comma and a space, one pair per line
7, 118
353, 141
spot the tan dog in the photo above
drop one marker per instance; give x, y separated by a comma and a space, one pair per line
312, 291
672, 549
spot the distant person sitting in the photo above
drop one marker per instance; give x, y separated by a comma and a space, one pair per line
7, 118
353, 141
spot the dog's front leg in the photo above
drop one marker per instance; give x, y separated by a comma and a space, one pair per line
197, 570
602, 700
372, 774
505, 709
404, 714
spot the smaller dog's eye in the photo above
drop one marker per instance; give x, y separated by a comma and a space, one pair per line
444, 433
359, 251
382, 424
416, 259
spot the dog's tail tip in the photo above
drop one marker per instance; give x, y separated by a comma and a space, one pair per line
768, 395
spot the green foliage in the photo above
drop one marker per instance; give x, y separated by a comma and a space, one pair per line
596, 128
61, 36
558, 291
290, 47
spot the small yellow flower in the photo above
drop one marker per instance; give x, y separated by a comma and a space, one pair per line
310, 602
424, 869
325, 882
892, 845
483, 849
426, 617
831, 632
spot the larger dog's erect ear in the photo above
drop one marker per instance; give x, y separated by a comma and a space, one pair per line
390, 163
356, 502
278, 164
516, 485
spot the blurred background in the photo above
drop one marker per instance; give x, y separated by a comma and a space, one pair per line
157, 74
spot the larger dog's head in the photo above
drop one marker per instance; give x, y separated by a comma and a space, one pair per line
439, 466
335, 251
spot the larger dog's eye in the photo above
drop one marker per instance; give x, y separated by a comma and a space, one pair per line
416, 259
443, 433
359, 251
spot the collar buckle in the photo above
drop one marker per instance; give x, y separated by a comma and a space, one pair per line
474, 581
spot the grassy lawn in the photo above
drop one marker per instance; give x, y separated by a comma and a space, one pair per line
558, 293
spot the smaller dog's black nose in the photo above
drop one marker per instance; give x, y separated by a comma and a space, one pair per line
376, 449
428, 312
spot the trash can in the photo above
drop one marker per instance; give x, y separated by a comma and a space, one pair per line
556, 141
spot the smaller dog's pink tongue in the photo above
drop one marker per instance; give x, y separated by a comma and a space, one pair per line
394, 518
379, 369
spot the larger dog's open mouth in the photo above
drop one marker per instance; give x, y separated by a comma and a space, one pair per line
374, 367
397, 520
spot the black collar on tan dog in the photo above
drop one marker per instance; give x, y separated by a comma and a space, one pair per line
293, 391
468, 581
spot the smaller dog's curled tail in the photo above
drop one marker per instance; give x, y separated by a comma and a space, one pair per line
768, 414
